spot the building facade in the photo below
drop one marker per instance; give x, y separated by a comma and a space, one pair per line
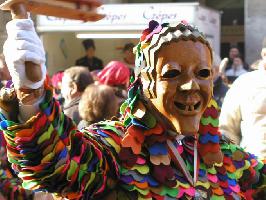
242, 23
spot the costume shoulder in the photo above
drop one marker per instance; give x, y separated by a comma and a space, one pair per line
238, 173
243, 168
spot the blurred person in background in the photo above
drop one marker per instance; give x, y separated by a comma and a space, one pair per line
129, 56
74, 82
4, 73
236, 70
117, 75
243, 114
219, 87
95, 75
98, 103
90, 60
234, 52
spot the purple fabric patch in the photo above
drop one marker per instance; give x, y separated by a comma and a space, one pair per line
126, 179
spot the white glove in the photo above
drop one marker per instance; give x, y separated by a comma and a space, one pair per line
23, 44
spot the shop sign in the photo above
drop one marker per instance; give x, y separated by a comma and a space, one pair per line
124, 17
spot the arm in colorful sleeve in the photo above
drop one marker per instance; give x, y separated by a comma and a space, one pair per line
10, 184
50, 154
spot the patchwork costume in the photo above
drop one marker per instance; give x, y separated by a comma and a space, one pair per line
10, 184
129, 158
134, 158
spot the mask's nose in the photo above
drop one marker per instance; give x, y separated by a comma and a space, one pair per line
191, 85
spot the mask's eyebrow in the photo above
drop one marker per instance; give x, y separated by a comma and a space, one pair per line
203, 66
170, 66
205, 63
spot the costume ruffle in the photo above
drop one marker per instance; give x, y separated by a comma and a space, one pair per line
10, 184
130, 157
148, 169
50, 154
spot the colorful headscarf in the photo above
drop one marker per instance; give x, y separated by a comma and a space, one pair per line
57, 78
115, 73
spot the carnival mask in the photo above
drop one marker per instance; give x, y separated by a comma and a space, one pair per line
183, 84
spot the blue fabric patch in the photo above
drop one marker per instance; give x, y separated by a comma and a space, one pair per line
209, 138
158, 149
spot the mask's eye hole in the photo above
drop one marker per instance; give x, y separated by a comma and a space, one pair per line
170, 70
171, 73
204, 73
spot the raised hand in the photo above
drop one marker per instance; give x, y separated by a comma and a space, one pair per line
25, 56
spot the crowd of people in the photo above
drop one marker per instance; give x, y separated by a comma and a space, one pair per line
165, 123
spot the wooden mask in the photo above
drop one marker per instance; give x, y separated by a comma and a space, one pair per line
176, 75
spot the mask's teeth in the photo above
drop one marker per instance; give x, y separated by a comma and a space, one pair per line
187, 108
191, 108
196, 106
180, 106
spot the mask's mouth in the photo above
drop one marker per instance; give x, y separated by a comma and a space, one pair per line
188, 108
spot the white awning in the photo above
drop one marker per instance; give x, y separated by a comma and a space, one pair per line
123, 17
128, 20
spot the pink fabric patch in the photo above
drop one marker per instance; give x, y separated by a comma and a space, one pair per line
235, 188
212, 178
190, 191
180, 149
141, 161
156, 30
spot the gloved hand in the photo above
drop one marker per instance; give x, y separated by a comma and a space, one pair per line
23, 45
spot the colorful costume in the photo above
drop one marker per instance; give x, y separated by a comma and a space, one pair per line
10, 184
49, 153
134, 158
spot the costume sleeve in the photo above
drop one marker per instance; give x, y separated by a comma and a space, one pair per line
230, 117
50, 154
10, 184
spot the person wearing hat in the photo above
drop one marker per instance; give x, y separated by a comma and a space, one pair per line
117, 75
89, 60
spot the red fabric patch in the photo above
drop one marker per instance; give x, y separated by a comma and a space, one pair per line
208, 129
164, 174
211, 112
127, 157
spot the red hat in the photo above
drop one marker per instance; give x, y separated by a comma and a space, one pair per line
115, 73
57, 78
